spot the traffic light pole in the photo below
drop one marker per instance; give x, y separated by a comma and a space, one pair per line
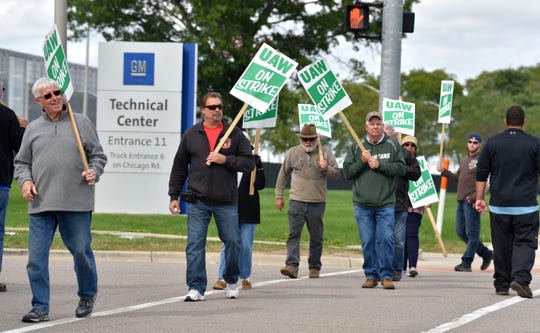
392, 30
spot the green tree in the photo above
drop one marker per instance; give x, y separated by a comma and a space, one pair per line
424, 89
227, 33
488, 97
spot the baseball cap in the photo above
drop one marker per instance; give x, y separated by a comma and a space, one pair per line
475, 136
373, 114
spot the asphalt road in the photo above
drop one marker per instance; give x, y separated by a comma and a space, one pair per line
145, 293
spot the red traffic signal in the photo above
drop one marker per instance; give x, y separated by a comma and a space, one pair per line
357, 18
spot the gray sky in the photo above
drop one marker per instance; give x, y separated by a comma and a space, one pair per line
464, 37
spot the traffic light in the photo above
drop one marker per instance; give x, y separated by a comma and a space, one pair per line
357, 18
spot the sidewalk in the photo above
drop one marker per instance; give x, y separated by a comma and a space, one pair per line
435, 261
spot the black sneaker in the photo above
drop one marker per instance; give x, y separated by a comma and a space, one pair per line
3, 287
85, 308
463, 268
486, 262
521, 289
502, 292
35, 316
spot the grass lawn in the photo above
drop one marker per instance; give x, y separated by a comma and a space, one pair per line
340, 227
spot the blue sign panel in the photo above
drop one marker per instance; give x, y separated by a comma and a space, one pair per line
139, 69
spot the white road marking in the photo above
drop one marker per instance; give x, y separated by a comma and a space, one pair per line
467, 318
112, 312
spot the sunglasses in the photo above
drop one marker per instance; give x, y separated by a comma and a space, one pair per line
214, 107
308, 139
409, 145
473, 142
50, 95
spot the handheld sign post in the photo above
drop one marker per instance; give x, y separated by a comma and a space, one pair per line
445, 107
254, 118
57, 70
399, 114
327, 93
309, 114
260, 83
423, 192
445, 112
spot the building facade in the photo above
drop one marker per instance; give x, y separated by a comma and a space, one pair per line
19, 71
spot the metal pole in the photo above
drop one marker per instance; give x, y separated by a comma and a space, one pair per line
85, 89
60, 19
392, 29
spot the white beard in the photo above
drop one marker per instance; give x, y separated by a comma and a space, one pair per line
309, 149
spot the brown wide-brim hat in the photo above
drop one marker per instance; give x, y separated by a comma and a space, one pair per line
309, 131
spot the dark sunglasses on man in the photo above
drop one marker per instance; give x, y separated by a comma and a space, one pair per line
214, 107
55, 93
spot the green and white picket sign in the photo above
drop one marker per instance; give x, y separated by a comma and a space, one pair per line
423, 192
56, 63
254, 118
309, 114
324, 89
399, 114
264, 77
445, 103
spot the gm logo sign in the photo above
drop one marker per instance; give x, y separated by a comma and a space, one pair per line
139, 69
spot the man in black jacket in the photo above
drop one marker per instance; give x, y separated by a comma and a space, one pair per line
212, 191
512, 161
11, 133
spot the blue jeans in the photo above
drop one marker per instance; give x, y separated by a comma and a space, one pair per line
198, 218
74, 229
4, 199
468, 230
376, 230
412, 243
400, 222
247, 234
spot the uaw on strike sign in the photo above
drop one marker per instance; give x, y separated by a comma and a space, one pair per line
264, 77
56, 64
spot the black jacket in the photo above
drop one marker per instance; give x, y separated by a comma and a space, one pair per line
402, 189
249, 206
512, 160
11, 135
213, 184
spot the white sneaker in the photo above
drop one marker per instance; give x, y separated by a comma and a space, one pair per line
194, 296
232, 291
413, 272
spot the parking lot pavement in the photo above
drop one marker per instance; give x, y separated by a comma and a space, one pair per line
143, 292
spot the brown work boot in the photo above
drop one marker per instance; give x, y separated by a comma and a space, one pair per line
220, 285
388, 284
369, 283
290, 271
246, 284
313, 273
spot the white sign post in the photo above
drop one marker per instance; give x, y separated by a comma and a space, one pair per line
324, 89
263, 78
423, 193
399, 114
139, 122
309, 114
57, 69
445, 115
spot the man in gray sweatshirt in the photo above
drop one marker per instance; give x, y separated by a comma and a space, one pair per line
60, 192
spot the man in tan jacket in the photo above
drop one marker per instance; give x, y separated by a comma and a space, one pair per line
307, 197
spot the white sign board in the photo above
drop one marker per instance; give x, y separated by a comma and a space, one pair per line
400, 115
138, 122
263, 78
309, 114
445, 102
